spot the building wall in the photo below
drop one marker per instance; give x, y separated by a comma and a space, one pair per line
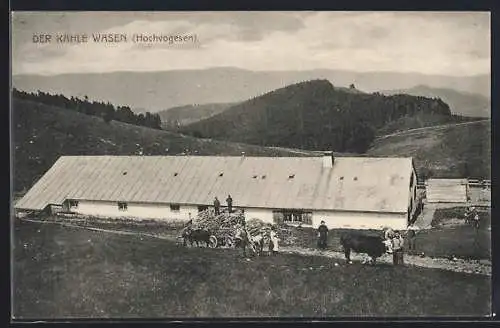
333, 219
479, 194
412, 198
263, 214
135, 210
360, 220
336, 219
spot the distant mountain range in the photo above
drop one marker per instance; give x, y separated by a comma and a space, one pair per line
463, 103
157, 91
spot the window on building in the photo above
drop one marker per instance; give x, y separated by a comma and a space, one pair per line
122, 206
73, 203
293, 217
175, 207
202, 208
412, 180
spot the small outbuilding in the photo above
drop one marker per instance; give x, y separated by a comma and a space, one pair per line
446, 190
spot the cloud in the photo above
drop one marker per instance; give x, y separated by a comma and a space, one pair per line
432, 43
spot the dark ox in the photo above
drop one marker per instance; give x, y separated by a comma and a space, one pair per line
198, 236
373, 246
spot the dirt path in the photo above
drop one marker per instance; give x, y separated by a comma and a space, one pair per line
435, 127
483, 268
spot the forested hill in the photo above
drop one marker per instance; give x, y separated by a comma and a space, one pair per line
313, 115
105, 110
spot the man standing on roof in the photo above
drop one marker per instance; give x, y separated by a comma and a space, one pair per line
229, 201
217, 206
322, 235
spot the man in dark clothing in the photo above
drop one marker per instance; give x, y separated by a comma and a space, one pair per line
186, 232
411, 235
322, 235
229, 201
217, 206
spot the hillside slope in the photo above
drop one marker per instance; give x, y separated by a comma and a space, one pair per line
462, 103
42, 133
422, 120
156, 91
188, 114
450, 151
312, 115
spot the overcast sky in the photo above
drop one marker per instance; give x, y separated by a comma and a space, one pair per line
431, 43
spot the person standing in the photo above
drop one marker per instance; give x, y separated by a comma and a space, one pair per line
229, 201
186, 232
245, 240
217, 206
401, 249
274, 239
322, 235
412, 234
397, 249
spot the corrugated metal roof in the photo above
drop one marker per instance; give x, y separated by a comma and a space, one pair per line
353, 184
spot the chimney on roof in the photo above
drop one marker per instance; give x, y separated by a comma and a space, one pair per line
328, 159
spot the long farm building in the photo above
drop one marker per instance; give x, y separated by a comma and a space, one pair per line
345, 192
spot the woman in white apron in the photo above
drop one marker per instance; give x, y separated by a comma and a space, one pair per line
274, 239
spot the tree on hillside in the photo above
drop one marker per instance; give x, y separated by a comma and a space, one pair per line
108, 115
101, 109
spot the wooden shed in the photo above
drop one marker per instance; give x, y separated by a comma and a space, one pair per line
446, 190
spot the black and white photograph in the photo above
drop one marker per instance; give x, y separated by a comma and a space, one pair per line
250, 165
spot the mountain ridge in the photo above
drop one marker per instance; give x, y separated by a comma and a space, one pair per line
463, 103
157, 91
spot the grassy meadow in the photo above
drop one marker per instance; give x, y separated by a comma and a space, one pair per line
62, 272
444, 152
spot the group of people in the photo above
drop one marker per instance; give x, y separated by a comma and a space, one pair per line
229, 201
395, 245
471, 216
266, 241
